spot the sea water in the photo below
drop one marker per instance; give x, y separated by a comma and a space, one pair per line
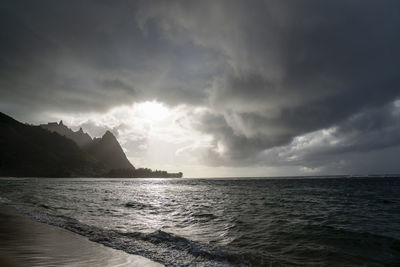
225, 222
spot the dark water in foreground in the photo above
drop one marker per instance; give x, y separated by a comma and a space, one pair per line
224, 222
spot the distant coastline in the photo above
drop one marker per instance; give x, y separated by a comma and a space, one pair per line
55, 151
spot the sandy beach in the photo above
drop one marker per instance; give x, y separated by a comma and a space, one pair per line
24, 242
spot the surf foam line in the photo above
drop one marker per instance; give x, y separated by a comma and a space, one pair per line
159, 246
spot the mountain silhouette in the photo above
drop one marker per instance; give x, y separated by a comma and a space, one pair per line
79, 137
108, 151
54, 150
27, 150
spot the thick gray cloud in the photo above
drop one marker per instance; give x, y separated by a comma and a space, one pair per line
91, 56
367, 132
294, 67
268, 72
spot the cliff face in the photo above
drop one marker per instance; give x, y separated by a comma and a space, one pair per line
52, 151
33, 151
108, 151
79, 137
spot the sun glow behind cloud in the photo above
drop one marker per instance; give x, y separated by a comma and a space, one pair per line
151, 133
152, 111
159, 136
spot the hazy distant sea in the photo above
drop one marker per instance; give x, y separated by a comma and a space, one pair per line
224, 222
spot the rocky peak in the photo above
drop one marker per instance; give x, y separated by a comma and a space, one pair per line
108, 134
79, 137
108, 151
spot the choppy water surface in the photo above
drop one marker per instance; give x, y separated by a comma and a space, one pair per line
224, 222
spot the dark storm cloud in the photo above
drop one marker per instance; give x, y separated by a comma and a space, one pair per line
375, 129
295, 67
90, 56
268, 71
118, 84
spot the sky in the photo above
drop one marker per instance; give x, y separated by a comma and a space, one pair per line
213, 88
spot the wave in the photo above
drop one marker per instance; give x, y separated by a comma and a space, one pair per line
201, 252
4, 200
204, 215
138, 205
331, 244
160, 246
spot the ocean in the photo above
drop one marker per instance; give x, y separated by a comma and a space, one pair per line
225, 222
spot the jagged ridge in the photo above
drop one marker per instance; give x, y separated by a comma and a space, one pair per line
106, 149
51, 150
109, 152
79, 137
27, 150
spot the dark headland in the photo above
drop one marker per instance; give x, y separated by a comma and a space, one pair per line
54, 150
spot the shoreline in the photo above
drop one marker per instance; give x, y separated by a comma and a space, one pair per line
26, 242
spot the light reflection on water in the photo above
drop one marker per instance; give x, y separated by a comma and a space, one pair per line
262, 220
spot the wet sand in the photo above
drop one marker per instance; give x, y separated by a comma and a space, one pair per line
24, 242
